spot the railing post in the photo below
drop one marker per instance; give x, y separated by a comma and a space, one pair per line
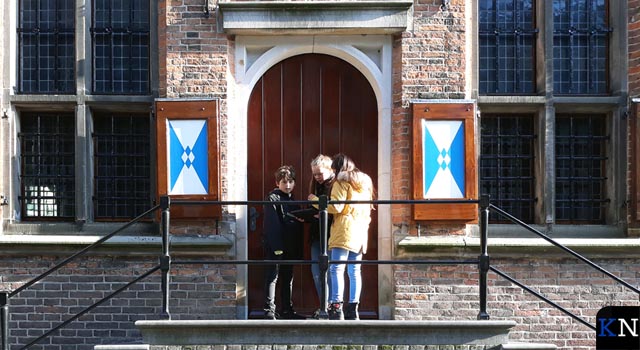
323, 262
165, 258
4, 319
483, 264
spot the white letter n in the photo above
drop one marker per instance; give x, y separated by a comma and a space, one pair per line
624, 324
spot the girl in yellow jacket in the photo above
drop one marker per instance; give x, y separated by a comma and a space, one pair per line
349, 233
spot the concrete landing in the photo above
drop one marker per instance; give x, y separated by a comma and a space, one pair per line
315, 332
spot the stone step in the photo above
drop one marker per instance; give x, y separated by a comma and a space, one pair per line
526, 346
315, 332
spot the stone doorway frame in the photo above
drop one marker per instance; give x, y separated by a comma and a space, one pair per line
252, 57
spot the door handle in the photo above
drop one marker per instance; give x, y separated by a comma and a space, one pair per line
253, 218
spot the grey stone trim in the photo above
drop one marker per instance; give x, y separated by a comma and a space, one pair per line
518, 247
326, 17
119, 245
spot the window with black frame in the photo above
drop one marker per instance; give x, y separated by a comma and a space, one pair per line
507, 36
507, 165
580, 46
120, 43
581, 163
122, 166
46, 47
51, 144
47, 166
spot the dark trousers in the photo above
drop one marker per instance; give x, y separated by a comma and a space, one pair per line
271, 276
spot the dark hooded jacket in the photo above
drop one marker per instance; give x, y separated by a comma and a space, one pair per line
282, 232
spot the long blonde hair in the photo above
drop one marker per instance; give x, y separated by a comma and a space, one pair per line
347, 171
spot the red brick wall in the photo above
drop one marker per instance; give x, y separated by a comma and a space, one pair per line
451, 292
428, 63
196, 54
197, 292
634, 92
193, 60
634, 48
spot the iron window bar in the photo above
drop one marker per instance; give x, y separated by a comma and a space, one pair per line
580, 169
506, 163
121, 166
47, 167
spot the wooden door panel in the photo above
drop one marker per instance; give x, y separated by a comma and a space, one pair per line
303, 106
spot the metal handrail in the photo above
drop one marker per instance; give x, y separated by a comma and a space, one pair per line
5, 296
81, 252
542, 297
165, 258
92, 306
483, 261
566, 249
521, 223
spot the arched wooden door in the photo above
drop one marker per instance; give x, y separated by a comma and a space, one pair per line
301, 107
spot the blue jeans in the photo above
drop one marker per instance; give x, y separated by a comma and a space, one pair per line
336, 271
315, 272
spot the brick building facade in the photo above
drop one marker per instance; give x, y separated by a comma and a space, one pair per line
73, 125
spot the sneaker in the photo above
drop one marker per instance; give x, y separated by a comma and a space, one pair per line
317, 315
291, 315
335, 311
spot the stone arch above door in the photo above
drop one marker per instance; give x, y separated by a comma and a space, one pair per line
253, 56
371, 55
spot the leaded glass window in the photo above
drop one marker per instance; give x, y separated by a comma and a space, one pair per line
120, 33
580, 46
46, 47
507, 46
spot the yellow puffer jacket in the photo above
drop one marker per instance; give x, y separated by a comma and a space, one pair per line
350, 221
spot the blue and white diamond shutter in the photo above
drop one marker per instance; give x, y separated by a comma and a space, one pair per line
187, 153
443, 159
188, 156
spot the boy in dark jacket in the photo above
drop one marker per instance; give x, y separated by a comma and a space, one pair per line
282, 241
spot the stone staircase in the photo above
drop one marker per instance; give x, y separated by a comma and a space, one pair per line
326, 335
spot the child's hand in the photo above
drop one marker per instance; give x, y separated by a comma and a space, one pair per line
312, 197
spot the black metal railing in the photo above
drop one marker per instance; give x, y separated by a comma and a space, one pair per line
5, 296
565, 249
165, 262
